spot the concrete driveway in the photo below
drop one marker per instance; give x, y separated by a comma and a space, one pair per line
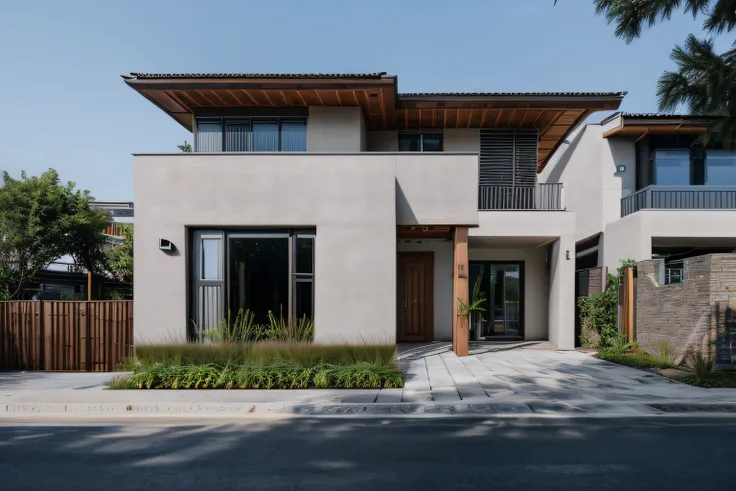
435, 373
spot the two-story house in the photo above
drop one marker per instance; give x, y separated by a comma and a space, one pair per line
643, 187
371, 211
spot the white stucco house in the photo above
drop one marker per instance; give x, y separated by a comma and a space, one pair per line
368, 210
642, 186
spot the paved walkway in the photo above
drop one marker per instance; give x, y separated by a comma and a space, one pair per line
435, 374
490, 381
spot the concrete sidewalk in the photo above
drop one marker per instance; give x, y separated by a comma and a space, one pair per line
503, 383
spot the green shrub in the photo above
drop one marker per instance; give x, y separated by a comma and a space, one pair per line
599, 311
637, 359
700, 364
243, 328
302, 354
256, 376
666, 352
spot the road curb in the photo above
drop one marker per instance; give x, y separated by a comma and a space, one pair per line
515, 409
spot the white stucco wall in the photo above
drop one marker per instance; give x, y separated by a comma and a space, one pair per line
553, 232
443, 296
631, 237
562, 293
437, 188
461, 140
536, 284
551, 224
335, 129
586, 165
349, 199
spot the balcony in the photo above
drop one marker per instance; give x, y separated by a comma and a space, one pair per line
543, 196
680, 198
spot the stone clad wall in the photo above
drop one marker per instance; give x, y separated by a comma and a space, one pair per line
690, 315
679, 313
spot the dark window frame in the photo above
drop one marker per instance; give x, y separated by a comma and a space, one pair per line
225, 120
522, 293
646, 157
197, 235
420, 135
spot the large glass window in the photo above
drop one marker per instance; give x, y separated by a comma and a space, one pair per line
238, 137
420, 142
293, 136
260, 271
672, 167
720, 168
258, 275
265, 136
251, 135
209, 135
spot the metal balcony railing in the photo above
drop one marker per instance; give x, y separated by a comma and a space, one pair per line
547, 196
680, 198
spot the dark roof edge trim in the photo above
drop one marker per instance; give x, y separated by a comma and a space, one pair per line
662, 116
277, 76
510, 94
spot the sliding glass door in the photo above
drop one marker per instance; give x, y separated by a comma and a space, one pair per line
502, 286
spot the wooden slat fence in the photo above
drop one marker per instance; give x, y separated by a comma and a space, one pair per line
70, 336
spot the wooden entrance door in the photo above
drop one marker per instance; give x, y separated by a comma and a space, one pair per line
415, 320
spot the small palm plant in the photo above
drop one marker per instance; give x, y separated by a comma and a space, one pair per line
477, 300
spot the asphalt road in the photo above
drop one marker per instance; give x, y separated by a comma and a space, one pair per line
350, 454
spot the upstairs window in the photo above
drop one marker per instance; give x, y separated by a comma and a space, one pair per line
672, 167
720, 168
420, 142
251, 135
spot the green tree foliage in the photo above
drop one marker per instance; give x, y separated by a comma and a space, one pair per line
630, 16
41, 220
185, 147
704, 83
120, 258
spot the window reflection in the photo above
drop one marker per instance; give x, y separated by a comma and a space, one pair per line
672, 167
720, 168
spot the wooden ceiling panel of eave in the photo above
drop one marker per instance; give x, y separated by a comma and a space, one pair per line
462, 118
476, 116
374, 111
196, 99
556, 132
569, 117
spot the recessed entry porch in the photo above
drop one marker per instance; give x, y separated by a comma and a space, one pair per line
515, 276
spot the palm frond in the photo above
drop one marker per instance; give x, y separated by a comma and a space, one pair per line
631, 16
704, 84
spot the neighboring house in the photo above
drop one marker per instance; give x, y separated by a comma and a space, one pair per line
121, 212
372, 212
64, 279
642, 187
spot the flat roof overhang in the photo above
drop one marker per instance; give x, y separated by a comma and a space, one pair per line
639, 126
555, 114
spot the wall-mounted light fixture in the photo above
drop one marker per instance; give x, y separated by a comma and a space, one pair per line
166, 245
620, 168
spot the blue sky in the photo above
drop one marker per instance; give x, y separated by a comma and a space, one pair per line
63, 104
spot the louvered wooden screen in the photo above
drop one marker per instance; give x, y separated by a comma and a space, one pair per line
508, 157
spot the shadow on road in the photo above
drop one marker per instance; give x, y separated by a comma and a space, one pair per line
352, 454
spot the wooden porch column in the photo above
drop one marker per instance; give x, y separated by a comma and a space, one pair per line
460, 290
